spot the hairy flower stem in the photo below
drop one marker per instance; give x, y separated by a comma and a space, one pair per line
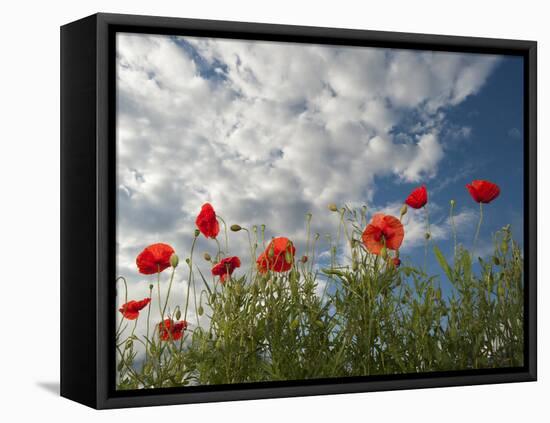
478, 229
427, 238
168, 293
148, 317
453, 227
190, 264
252, 254
125, 300
308, 232
158, 291
225, 230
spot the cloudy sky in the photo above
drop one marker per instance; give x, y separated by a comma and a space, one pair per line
267, 132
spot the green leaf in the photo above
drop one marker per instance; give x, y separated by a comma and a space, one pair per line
443, 263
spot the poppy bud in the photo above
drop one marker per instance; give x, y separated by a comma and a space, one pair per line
197, 233
333, 207
384, 252
427, 235
200, 310
317, 236
188, 260
174, 260
151, 287
207, 257
304, 259
404, 209
178, 314
288, 257
504, 247
453, 203
235, 228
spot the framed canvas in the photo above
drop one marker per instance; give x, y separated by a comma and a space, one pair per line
255, 211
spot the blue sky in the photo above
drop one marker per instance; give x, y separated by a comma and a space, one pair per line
493, 151
268, 132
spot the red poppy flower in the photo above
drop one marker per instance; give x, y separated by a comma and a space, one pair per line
225, 267
131, 309
171, 330
278, 256
155, 258
207, 222
383, 230
418, 197
483, 191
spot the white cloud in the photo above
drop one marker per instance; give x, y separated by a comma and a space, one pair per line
269, 131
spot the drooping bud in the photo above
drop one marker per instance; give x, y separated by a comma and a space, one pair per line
197, 233
235, 228
178, 314
288, 257
427, 235
453, 203
404, 209
200, 310
333, 207
188, 260
207, 256
174, 260
151, 287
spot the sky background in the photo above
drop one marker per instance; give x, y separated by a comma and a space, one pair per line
267, 132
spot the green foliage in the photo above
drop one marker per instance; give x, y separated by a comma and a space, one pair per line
367, 318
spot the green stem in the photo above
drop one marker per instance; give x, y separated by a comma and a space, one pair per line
427, 238
478, 228
158, 291
125, 300
148, 317
190, 276
168, 293
225, 230
453, 227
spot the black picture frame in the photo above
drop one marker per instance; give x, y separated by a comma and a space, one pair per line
88, 208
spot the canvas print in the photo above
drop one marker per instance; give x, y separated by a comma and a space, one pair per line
290, 211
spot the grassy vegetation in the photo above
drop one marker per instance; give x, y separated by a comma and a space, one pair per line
370, 316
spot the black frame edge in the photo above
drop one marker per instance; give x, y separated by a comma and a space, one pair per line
78, 215
531, 202
98, 393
